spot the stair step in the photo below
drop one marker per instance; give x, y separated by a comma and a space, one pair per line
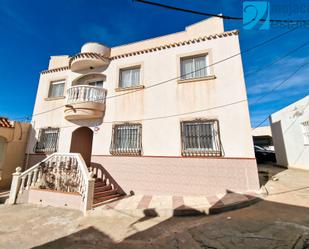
100, 180
103, 188
99, 184
105, 193
105, 198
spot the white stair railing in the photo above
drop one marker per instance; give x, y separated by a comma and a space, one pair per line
64, 172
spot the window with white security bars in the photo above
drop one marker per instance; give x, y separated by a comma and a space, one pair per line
127, 139
201, 138
47, 141
305, 127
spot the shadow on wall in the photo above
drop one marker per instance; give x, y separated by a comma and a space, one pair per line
3, 145
89, 122
13, 142
299, 156
238, 229
100, 172
35, 158
278, 140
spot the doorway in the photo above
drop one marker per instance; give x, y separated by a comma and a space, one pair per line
81, 142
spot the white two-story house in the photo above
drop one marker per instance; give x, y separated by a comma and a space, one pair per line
163, 116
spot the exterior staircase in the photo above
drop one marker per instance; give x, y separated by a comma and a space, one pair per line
64, 173
58, 173
104, 191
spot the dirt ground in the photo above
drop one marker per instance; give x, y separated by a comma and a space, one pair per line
281, 220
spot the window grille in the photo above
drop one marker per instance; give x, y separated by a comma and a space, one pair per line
47, 141
305, 127
127, 139
200, 138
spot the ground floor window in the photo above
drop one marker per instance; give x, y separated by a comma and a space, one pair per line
47, 140
126, 139
200, 138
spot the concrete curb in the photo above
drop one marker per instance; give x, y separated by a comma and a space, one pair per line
234, 206
180, 211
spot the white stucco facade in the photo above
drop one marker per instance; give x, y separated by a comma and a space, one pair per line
289, 134
162, 102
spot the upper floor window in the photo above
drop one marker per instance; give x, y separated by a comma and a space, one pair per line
305, 128
47, 140
127, 139
200, 138
194, 67
129, 77
96, 83
56, 89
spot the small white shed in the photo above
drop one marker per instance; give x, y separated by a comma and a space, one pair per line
290, 130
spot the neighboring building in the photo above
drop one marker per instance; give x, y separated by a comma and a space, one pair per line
13, 143
262, 137
290, 129
190, 135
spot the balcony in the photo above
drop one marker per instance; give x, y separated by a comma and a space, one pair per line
84, 61
92, 55
85, 102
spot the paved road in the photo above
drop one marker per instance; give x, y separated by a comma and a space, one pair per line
279, 221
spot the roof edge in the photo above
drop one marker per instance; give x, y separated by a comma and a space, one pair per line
154, 49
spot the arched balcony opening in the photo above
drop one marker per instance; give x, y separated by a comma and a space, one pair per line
86, 97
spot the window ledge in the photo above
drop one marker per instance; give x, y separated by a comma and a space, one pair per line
210, 77
54, 98
119, 89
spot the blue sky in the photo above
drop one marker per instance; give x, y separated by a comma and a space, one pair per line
32, 31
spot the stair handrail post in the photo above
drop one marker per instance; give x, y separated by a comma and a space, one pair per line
89, 184
15, 186
89, 194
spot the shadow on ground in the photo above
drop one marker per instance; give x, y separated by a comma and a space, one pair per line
267, 171
4, 195
263, 225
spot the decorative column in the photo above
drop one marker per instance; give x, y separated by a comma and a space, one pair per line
15, 186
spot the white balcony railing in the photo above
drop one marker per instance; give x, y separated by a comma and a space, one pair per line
83, 93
